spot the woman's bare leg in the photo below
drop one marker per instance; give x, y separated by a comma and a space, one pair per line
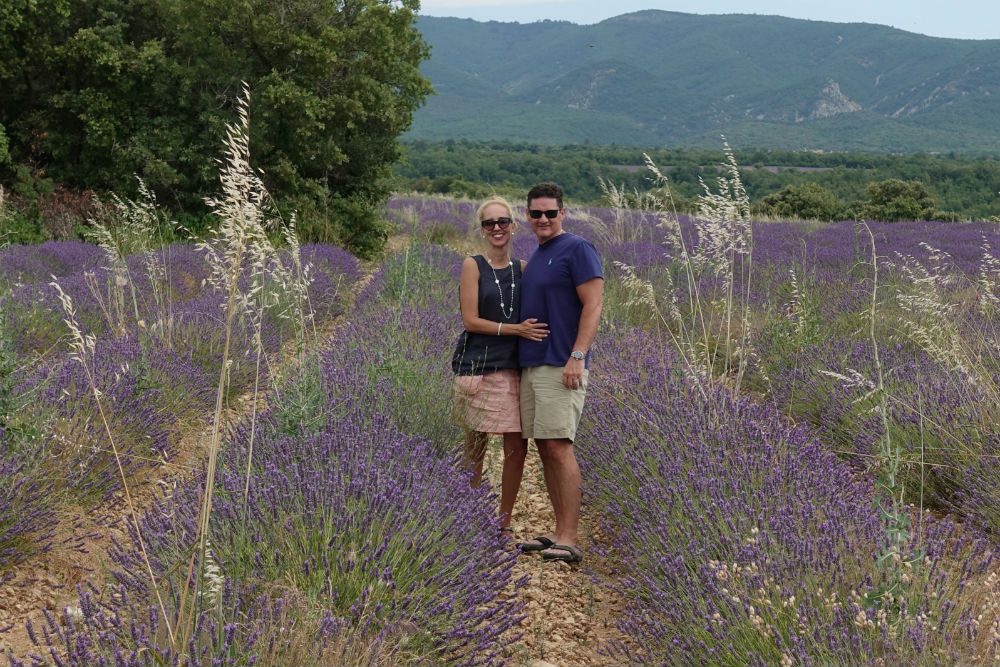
515, 449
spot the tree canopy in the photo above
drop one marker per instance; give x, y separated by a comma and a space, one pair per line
894, 200
807, 201
98, 91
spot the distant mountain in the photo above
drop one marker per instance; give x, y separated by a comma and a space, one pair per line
665, 78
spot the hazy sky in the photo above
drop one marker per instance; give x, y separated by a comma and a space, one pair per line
967, 19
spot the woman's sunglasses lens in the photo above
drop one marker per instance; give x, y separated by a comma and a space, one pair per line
503, 223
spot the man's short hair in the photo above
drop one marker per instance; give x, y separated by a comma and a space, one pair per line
546, 190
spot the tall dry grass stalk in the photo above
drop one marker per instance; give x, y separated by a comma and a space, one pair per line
930, 298
245, 267
989, 282
3, 217
929, 318
894, 558
240, 230
133, 227
628, 208
712, 334
82, 351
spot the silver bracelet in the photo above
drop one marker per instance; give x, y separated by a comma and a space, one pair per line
499, 324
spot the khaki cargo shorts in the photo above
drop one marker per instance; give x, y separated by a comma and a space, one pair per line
549, 410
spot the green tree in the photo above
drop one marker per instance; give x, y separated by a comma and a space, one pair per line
97, 91
805, 201
893, 200
334, 85
85, 85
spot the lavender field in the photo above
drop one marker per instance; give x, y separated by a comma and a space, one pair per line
806, 477
771, 512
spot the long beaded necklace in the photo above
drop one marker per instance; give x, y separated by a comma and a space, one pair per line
506, 315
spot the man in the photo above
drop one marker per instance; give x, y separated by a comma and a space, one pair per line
562, 285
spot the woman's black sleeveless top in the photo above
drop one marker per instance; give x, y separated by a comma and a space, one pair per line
475, 353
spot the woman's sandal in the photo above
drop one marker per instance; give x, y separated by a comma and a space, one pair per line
540, 543
563, 552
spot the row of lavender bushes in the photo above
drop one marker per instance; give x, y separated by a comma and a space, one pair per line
153, 379
354, 540
937, 334
747, 541
739, 539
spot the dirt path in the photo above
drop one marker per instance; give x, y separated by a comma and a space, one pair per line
569, 616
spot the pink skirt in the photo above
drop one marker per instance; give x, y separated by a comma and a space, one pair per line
489, 403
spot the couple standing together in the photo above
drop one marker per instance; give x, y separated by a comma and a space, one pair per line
521, 363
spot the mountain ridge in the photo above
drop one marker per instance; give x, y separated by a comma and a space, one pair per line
669, 78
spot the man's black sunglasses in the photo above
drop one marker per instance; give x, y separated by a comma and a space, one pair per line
536, 214
503, 223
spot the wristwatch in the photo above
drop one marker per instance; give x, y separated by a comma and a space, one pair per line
577, 354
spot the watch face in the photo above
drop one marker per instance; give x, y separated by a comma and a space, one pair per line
577, 355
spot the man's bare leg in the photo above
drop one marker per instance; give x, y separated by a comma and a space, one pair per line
563, 481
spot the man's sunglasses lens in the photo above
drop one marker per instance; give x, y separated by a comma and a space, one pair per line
550, 214
504, 223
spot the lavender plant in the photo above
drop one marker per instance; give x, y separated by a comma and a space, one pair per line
434, 220
20, 264
345, 522
27, 519
409, 308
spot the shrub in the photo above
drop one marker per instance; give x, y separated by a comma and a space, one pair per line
893, 200
807, 201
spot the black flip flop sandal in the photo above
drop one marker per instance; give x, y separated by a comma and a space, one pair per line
540, 543
563, 552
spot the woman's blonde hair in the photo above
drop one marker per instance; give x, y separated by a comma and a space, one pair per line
494, 200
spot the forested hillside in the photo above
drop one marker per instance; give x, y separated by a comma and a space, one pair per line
653, 78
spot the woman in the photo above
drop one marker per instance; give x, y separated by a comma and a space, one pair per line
487, 382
